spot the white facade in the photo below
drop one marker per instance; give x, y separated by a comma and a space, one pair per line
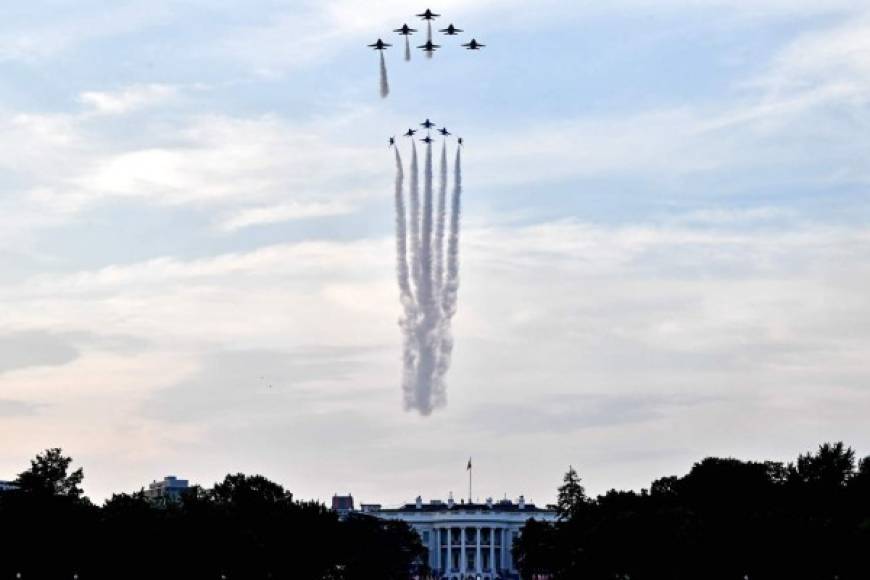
468, 541
167, 491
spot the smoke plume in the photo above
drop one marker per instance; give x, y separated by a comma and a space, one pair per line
385, 83
407, 48
429, 38
428, 288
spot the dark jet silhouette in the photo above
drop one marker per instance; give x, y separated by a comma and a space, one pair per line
380, 45
427, 124
405, 30
410, 133
392, 142
451, 30
444, 131
461, 143
473, 45
428, 15
427, 140
429, 47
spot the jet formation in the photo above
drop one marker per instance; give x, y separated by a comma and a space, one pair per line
428, 125
429, 46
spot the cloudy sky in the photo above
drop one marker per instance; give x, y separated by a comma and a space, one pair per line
666, 251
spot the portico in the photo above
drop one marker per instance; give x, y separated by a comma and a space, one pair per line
469, 540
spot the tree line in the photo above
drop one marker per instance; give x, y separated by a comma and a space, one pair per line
245, 527
725, 520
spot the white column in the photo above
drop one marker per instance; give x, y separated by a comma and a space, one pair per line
477, 563
449, 549
504, 549
509, 544
463, 564
492, 563
436, 561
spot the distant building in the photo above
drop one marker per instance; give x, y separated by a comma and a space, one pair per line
7, 486
469, 540
342, 505
169, 490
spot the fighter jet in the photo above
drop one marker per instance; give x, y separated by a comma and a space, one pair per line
380, 45
473, 45
405, 30
444, 132
427, 140
428, 15
427, 124
410, 133
451, 30
461, 143
429, 47
392, 142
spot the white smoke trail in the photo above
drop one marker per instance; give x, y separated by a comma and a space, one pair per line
441, 222
451, 284
385, 83
407, 48
428, 297
414, 218
409, 311
429, 38
430, 311
407, 294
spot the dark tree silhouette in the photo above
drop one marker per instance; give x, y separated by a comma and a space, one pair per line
244, 527
49, 475
572, 495
725, 520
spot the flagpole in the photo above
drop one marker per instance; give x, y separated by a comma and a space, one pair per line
470, 473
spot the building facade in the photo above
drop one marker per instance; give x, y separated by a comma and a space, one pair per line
167, 491
468, 540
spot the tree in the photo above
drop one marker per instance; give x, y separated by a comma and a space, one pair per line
244, 491
49, 475
572, 496
832, 466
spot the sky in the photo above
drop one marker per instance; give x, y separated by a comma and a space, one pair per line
665, 253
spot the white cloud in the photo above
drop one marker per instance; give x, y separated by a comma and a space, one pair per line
769, 319
283, 213
128, 99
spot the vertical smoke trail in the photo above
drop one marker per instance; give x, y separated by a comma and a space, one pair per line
451, 284
385, 83
428, 297
441, 222
407, 48
426, 294
414, 217
407, 294
409, 310
429, 38
428, 341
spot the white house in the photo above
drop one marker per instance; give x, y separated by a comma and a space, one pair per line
468, 540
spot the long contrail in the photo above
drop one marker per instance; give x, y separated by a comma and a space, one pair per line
451, 283
428, 339
441, 221
385, 83
407, 293
409, 309
414, 218
429, 286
